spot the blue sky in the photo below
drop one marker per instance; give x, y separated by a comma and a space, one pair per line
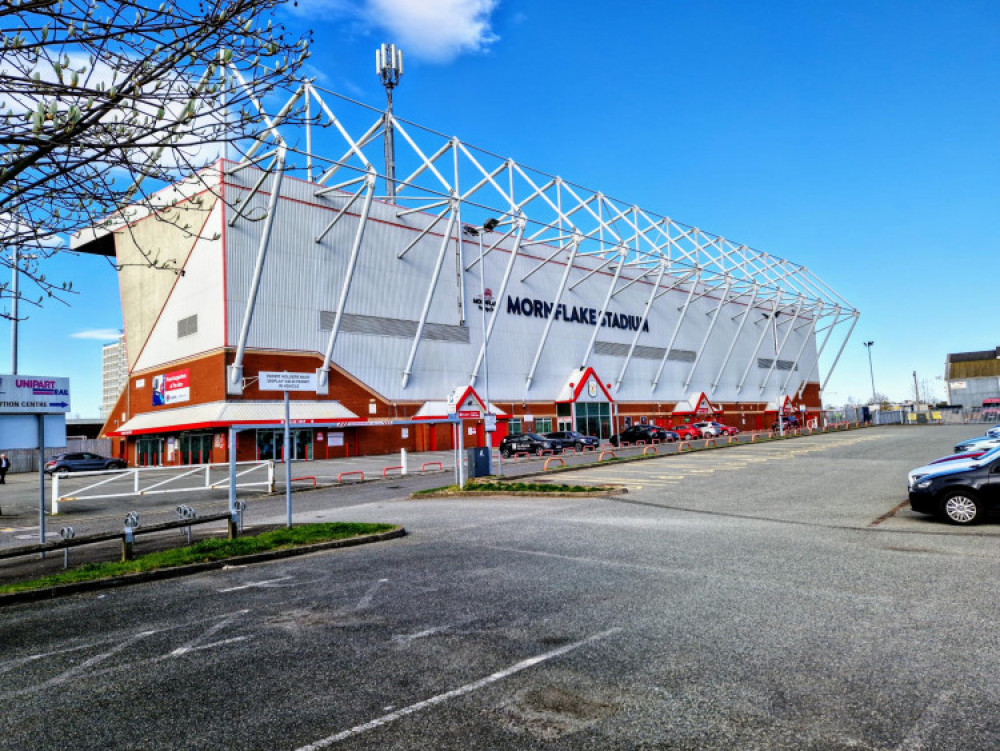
859, 139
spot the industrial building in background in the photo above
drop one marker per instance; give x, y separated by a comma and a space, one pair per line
436, 284
973, 381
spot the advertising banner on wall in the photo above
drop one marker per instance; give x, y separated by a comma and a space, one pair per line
170, 388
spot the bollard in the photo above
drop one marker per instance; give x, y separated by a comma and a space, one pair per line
128, 535
186, 512
238, 508
67, 533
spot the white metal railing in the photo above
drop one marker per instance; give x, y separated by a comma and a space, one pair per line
157, 483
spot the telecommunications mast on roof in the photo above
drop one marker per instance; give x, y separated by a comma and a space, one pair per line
389, 68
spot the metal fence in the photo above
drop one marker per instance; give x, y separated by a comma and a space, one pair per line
142, 481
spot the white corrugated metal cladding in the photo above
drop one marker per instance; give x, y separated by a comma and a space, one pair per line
303, 279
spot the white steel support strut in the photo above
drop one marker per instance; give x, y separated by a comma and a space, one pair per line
673, 336
574, 246
323, 373
708, 335
819, 353
234, 380
760, 341
784, 340
445, 241
645, 317
604, 308
840, 351
798, 356
499, 298
736, 338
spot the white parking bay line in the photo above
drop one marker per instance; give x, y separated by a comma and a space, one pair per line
265, 583
461, 691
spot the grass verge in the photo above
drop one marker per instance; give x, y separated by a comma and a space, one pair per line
204, 551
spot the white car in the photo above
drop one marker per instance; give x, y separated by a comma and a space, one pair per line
983, 442
994, 432
708, 429
949, 464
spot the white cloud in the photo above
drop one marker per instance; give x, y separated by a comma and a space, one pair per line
104, 335
434, 30
437, 30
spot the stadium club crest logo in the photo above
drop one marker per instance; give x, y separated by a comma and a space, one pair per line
486, 299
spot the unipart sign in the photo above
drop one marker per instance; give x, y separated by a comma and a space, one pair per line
21, 394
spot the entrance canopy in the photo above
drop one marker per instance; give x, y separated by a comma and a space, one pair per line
696, 404
464, 402
783, 405
584, 385
225, 414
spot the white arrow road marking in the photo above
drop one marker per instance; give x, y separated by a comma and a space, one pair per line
365, 601
461, 691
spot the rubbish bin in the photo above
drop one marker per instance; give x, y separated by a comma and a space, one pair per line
478, 462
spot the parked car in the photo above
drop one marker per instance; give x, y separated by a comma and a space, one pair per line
959, 494
983, 442
726, 429
645, 433
527, 443
82, 461
708, 429
571, 439
950, 462
791, 422
994, 432
686, 432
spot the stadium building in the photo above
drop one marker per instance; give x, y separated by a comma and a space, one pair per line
444, 285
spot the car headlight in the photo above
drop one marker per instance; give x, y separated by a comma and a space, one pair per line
923, 485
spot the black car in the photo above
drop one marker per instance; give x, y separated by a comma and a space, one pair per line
791, 423
959, 496
527, 443
571, 439
645, 433
81, 461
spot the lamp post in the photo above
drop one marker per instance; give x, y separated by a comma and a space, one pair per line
478, 232
871, 370
389, 68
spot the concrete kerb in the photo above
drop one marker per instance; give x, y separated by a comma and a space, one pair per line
45, 593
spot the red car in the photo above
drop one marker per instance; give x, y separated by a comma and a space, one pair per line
686, 432
726, 429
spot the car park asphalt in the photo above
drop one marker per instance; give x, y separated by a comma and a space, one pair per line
769, 596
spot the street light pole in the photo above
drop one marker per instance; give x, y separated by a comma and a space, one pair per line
14, 312
488, 226
871, 370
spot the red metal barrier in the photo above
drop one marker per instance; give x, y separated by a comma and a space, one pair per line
545, 467
340, 477
648, 449
310, 477
388, 469
425, 465
605, 453
682, 444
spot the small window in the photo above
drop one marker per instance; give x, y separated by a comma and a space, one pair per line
187, 326
543, 425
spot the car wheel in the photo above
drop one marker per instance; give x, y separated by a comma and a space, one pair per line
961, 507
579, 447
506, 453
538, 451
